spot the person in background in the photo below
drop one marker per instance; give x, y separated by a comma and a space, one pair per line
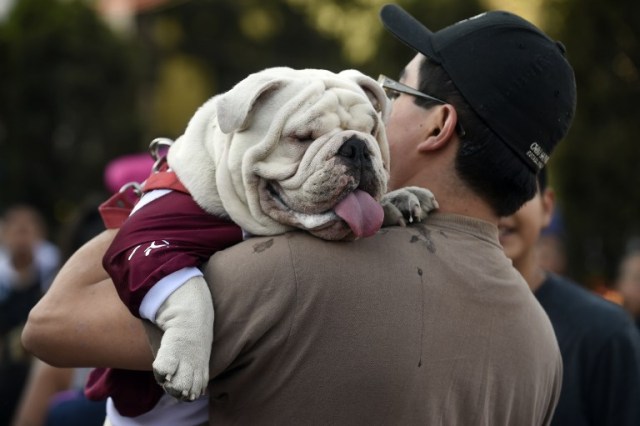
26, 255
54, 396
551, 245
599, 344
628, 280
28, 263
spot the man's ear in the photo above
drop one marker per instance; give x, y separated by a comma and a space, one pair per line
442, 127
548, 198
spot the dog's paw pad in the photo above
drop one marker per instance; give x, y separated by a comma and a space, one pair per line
407, 205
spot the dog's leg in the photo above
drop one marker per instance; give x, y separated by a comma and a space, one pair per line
182, 363
407, 205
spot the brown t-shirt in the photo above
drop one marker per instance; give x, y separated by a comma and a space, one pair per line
425, 325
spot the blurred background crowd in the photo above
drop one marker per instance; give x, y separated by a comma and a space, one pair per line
86, 84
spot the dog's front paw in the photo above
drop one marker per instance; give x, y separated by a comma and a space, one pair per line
182, 362
182, 368
407, 205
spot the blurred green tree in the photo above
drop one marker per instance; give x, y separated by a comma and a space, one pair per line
68, 103
73, 94
203, 47
596, 169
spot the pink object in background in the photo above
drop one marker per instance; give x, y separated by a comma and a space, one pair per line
125, 169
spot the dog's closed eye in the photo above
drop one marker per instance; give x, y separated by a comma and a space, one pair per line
304, 138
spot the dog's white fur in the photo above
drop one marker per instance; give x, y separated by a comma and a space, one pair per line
269, 155
245, 137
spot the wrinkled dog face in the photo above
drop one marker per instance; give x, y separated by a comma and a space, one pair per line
315, 150
302, 149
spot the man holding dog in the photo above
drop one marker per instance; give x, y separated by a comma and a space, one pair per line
426, 324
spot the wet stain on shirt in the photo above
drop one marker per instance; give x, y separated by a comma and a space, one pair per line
422, 317
260, 247
425, 237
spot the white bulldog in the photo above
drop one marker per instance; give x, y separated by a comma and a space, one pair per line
288, 149
284, 149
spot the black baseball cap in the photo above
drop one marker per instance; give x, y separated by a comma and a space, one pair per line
514, 77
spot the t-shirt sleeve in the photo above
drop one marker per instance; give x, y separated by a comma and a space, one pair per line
166, 235
254, 294
615, 386
160, 292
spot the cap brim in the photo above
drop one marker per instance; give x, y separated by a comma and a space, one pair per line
408, 29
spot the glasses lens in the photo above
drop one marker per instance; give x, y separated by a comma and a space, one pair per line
391, 94
383, 81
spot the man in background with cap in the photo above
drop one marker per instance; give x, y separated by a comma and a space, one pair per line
599, 342
427, 324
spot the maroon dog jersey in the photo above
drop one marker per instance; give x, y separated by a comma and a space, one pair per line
164, 236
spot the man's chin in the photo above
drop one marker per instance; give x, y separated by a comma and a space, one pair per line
511, 249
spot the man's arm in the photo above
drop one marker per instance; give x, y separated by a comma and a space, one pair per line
81, 321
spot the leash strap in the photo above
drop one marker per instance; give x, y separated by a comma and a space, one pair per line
118, 207
165, 178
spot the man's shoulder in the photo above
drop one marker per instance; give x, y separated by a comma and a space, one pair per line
580, 298
293, 240
569, 302
298, 256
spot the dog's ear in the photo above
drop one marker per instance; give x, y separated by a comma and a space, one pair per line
234, 106
372, 89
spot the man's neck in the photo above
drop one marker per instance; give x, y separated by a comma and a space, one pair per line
453, 197
436, 173
467, 206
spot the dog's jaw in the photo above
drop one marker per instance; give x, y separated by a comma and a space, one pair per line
347, 214
319, 224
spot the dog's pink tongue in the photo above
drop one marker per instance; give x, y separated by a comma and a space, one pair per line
363, 214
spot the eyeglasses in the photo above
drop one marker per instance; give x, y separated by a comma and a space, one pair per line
393, 88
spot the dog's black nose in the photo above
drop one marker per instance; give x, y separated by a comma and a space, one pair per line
353, 149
